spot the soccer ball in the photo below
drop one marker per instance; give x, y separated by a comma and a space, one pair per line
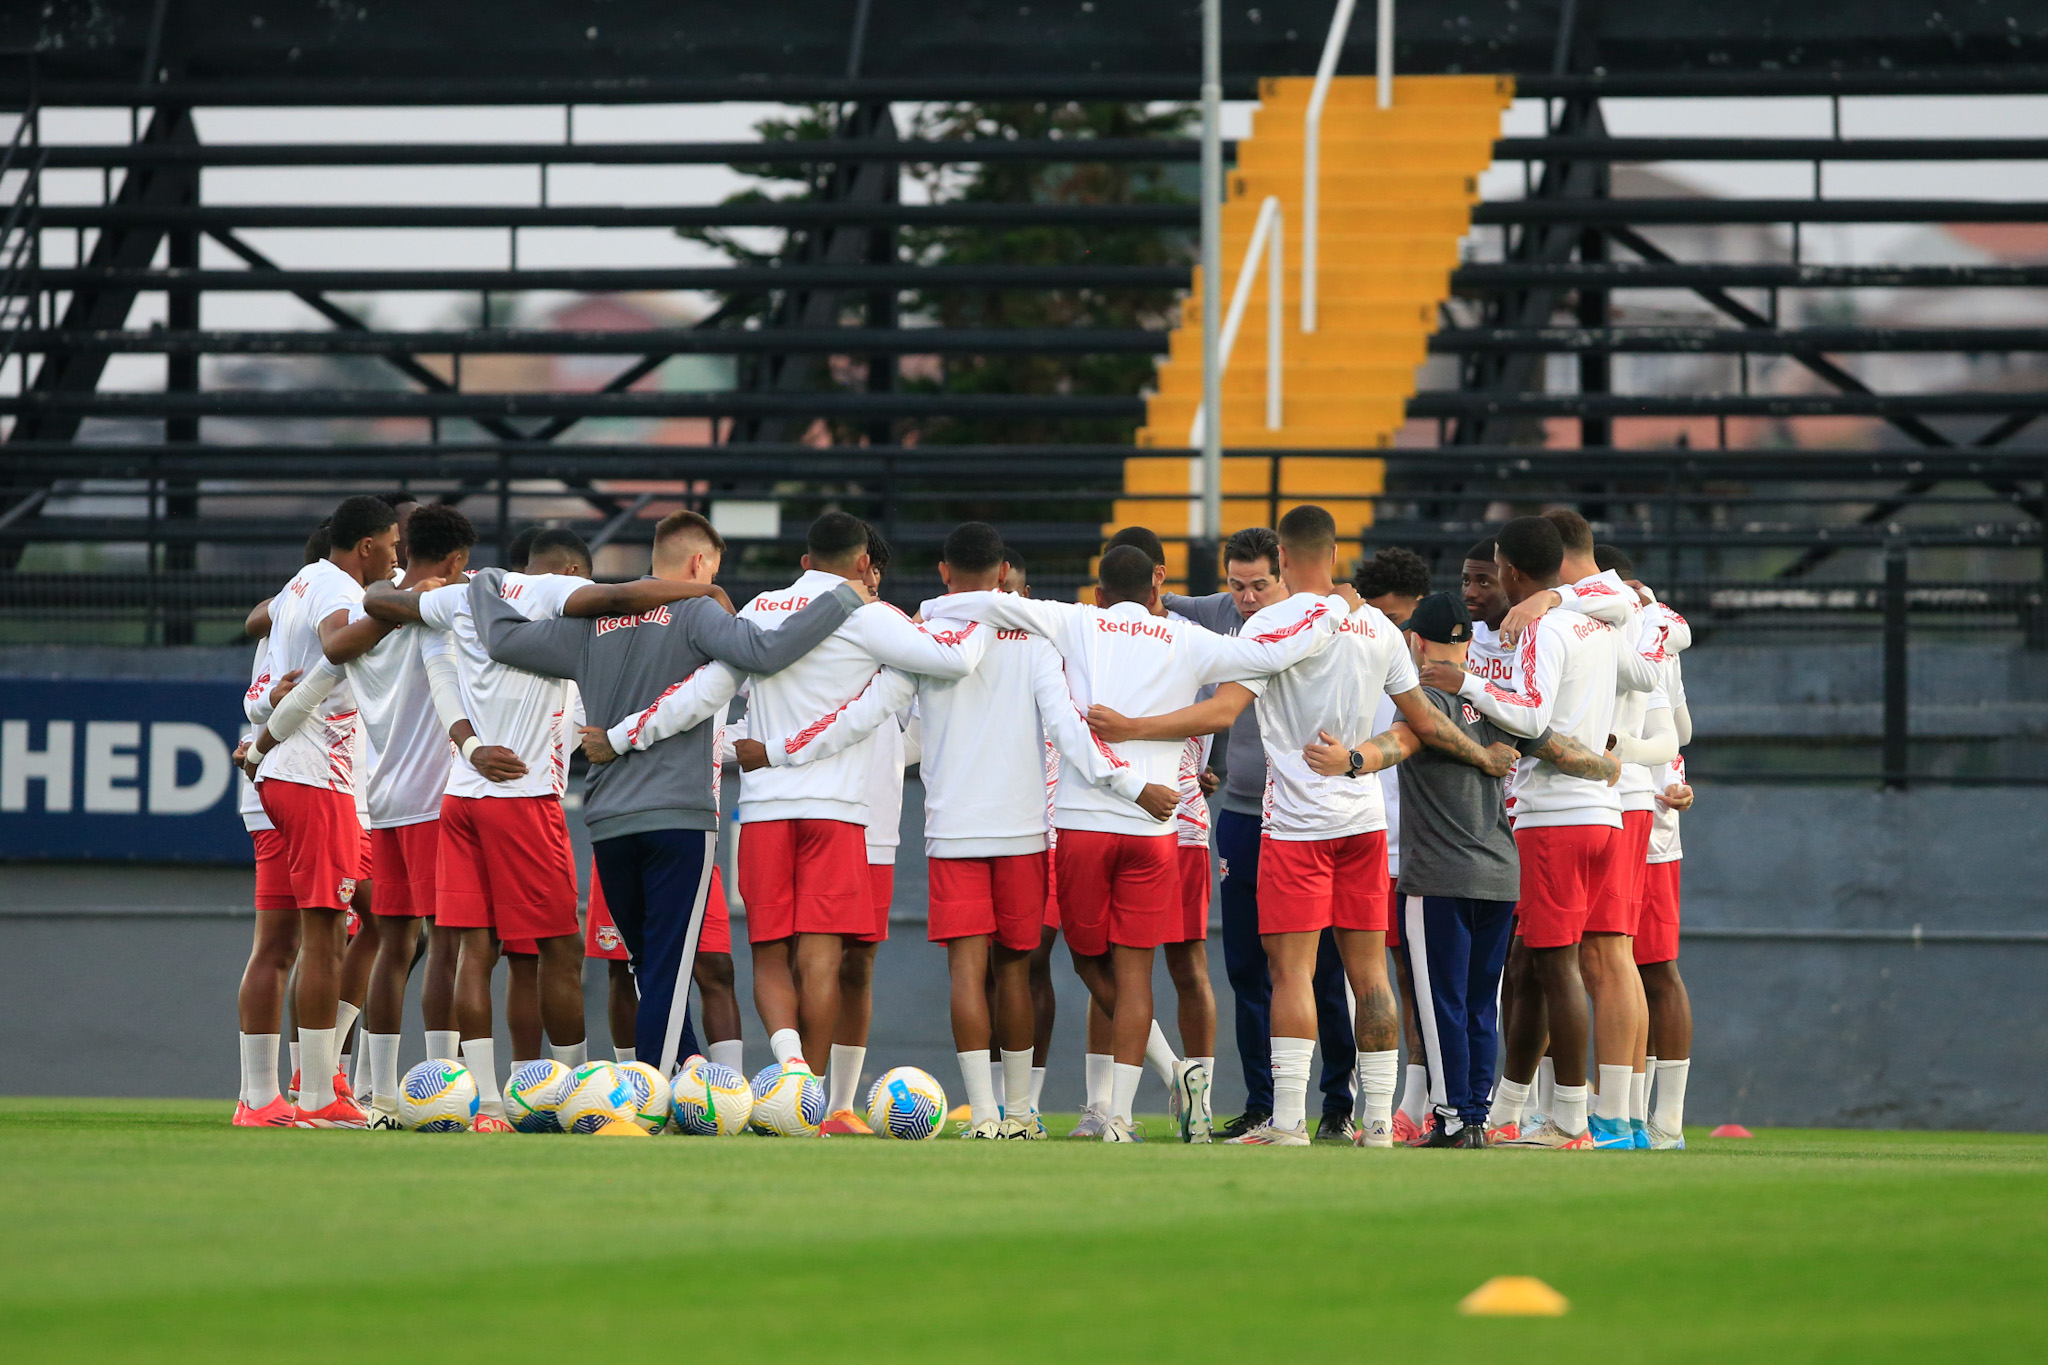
598, 1093
907, 1104
651, 1098
764, 1081
534, 1095
793, 1106
712, 1101
437, 1096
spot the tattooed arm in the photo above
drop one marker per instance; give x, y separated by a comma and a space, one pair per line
1332, 757
1574, 759
1495, 760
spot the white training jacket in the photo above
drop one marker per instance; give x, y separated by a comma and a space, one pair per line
319, 739
1131, 661
1644, 740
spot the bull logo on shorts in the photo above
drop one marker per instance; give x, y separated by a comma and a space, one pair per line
608, 939
348, 893
1224, 864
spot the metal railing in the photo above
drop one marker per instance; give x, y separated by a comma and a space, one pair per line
1312, 134
1269, 240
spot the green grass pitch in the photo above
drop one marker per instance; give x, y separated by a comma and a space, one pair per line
150, 1230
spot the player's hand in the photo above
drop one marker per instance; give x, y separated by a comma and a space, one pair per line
1523, 614
1113, 726
1443, 676
1331, 758
1500, 759
428, 585
1158, 800
1613, 765
247, 759
1677, 796
752, 753
597, 745
1208, 781
284, 686
1349, 594
497, 763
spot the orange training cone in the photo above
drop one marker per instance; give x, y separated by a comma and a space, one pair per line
1514, 1296
1731, 1130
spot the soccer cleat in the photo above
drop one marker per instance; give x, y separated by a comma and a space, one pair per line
340, 1114
1661, 1141
1245, 1122
278, 1114
1336, 1127
1550, 1135
1407, 1131
1534, 1121
1122, 1130
1374, 1133
385, 1120
844, 1123
1442, 1135
1500, 1133
1191, 1101
1029, 1128
988, 1130
1093, 1122
1611, 1135
1639, 1131
490, 1123
1266, 1135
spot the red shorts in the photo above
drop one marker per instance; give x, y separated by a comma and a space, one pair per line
273, 875
601, 938
1003, 898
1118, 888
1621, 902
1194, 894
1657, 927
882, 888
519, 947
1393, 911
1564, 870
1052, 885
805, 877
323, 842
403, 861
1308, 885
506, 865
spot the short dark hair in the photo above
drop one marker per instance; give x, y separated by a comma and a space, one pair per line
1483, 550
397, 499
974, 547
438, 530
559, 540
1125, 573
688, 523
1308, 529
879, 550
1532, 545
1574, 530
1607, 557
1252, 544
1140, 538
521, 548
836, 536
358, 518
320, 541
1393, 570
1013, 559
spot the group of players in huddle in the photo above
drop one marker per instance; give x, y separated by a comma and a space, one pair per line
1488, 783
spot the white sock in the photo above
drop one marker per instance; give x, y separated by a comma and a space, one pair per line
1671, 1078
1568, 1108
1016, 1070
1612, 1101
294, 1045
786, 1046
730, 1053
363, 1077
842, 1077
625, 1054
259, 1069
1414, 1092
1638, 1096
1376, 1083
1290, 1081
573, 1055
996, 1084
1546, 1084
480, 1055
1159, 1056
1037, 1086
444, 1045
981, 1098
344, 1068
316, 1076
1508, 1099
345, 1016
383, 1053
1101, 1079
1123, 1089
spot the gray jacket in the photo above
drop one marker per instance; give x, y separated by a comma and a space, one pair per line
1243, 762
622, 665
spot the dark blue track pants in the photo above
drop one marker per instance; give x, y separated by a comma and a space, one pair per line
655, 886
1455, 949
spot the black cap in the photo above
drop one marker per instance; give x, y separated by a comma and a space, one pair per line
1441, 617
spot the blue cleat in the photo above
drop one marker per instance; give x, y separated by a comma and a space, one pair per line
1611, 1134
1641, 1133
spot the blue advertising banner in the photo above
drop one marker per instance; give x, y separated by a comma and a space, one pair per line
130, 769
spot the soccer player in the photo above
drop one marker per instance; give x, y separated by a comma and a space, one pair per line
1669, 1047
1044, 1004
259, 1003
1251, 566
1118, 881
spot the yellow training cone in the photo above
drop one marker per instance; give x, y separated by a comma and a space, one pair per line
621, 1128
1514, 1296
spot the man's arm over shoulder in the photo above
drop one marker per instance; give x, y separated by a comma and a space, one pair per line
740, 644
886, 694
552, 648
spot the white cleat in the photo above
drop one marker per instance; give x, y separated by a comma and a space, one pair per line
1374, 1133
1548, 1134
1092, 1125
383, 1120
1191, 1101
1122, 1130
1661, 1141
1029, 1128
988, 1130
1266, 1135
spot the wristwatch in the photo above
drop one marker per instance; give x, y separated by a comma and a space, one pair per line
1357, 764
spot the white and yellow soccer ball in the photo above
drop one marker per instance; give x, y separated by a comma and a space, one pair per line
712, 1101
437, 1096
651, 1098
906, 1104
534, 1095
598, 1094
764, 1081
792, 1106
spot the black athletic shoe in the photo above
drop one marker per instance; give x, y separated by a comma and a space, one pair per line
1335, 1127
1245, 1122
1441, 1134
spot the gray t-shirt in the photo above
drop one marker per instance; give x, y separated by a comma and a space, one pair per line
1455, 836
1242, 760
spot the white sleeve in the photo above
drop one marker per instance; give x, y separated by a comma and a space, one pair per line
1604, 597
730, 734
1526, 710
1658, 743
256, 701
1068, 730
542, 596
913, 737
1004, 610
444, 679
886, 693
681, 706
895, 641
1235, 658
1636, 672
303, 700
1681, 723
1401, 677
439, 608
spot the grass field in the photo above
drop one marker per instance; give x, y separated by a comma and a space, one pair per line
149, 1230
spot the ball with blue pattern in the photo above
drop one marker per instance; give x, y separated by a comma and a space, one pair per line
906, 1104
712, 1101
438, 1096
